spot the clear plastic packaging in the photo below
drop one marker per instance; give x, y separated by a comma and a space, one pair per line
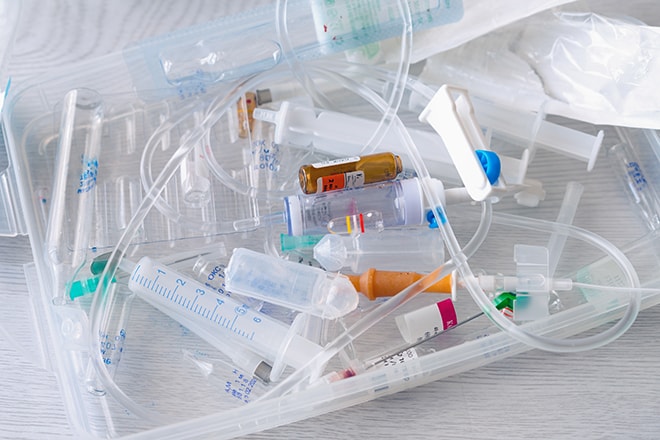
580, 65
177, 184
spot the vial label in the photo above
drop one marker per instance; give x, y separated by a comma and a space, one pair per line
354, 179
341, 161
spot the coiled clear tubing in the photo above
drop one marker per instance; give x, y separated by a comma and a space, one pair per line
388, 108
104, 296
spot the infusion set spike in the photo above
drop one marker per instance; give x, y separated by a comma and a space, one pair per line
357, 223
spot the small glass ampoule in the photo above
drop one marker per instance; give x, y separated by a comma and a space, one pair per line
349, 172
357, 223
245, 111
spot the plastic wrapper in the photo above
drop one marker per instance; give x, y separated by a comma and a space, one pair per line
579, 65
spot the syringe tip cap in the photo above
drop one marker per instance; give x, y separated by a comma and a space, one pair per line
341, 299
330, 252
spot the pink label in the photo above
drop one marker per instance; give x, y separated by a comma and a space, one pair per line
447, 313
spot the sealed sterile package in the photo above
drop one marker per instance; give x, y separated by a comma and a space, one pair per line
208, 53
479, 18
272, 236
580, 65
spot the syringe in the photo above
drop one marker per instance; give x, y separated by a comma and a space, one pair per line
217, 318
406, 351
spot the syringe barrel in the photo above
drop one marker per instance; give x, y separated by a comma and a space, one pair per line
400, 202
215, 317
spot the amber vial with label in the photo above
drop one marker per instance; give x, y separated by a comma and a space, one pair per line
349, 172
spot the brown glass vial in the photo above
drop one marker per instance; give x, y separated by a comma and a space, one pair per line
349, 172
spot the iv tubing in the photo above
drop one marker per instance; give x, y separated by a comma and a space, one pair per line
398, 80
383, 309
460, 259
567, 345
103, 294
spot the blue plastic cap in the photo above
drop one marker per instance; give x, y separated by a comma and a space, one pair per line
433, 221
491, 164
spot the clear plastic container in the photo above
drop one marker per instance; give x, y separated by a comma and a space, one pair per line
122, 364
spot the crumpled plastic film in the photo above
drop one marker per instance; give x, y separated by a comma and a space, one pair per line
579, 65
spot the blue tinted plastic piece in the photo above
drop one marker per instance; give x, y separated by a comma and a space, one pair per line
433, 221
491, 164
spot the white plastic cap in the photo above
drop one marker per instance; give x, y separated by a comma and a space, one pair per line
427, 321
331, 252
340, 297
439, 189
414, 201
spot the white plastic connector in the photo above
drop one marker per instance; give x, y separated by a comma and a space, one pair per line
451, 115
293, 123
533, 282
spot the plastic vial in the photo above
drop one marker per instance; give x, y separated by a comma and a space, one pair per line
349, 172
289, 284
357, 223
401, 203
405, 249
212, 274
425, 322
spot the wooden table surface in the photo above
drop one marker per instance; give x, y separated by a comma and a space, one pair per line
611, 392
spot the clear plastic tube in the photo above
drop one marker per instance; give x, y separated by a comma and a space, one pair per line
398, 79
458, 260
480, 297
563, 345
104, 295
384, 309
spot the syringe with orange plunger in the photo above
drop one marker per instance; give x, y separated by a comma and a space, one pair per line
382, 283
